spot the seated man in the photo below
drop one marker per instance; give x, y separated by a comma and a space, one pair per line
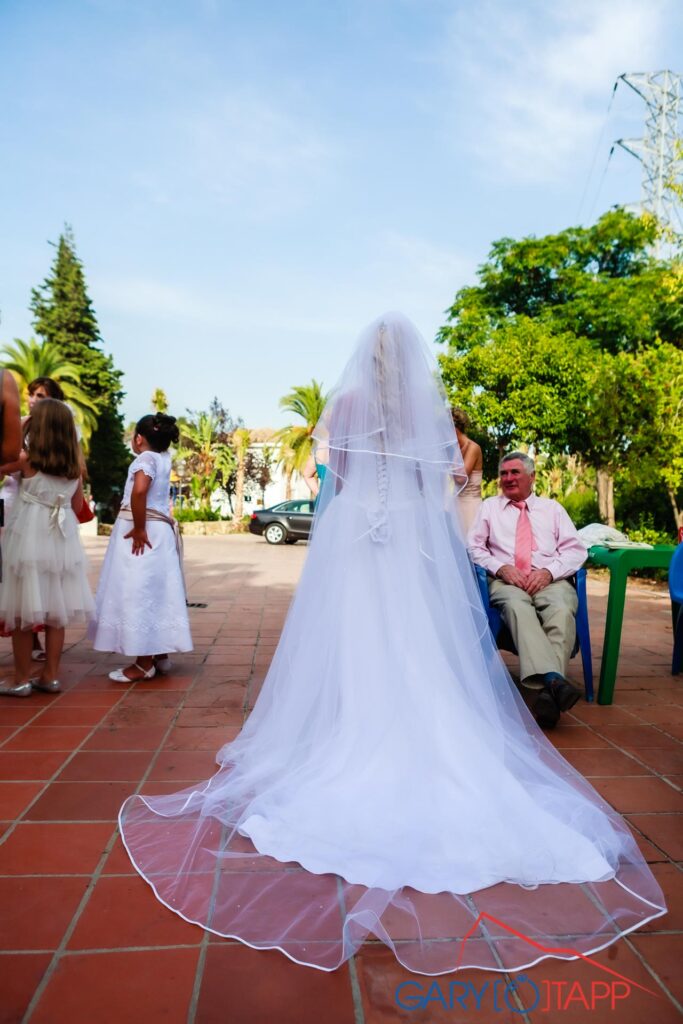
529, 546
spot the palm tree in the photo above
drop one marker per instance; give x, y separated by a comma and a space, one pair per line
296, 441
241, 439
159, 400
29, 359
207, 454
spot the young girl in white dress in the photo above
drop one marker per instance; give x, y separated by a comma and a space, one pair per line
44, 571
140, 603
38, 389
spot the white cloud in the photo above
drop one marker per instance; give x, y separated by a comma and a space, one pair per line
538, 78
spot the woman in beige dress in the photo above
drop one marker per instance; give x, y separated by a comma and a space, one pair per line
470, 495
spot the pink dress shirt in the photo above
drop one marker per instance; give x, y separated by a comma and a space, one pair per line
557, 546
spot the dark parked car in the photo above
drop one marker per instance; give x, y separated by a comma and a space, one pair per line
285, 523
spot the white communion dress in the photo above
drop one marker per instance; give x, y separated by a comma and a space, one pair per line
44, 572
140, 602
390, 783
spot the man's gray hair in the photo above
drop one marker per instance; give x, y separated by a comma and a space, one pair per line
525, 459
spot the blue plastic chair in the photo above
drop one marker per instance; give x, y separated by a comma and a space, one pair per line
501, 634
676, 592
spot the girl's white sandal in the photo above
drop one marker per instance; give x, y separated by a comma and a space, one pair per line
119, 676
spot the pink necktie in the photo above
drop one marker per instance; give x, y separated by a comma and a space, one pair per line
524, 538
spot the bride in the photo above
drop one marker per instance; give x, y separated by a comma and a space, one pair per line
397, 788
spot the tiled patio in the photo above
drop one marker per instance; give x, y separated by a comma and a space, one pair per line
84, 940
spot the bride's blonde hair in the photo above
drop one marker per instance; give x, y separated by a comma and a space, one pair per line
51, 441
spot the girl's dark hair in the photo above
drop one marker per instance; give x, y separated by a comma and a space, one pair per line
160, 431
51, 386
50, 435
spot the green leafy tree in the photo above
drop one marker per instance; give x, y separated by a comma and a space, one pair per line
28, 360
63, 315
234, 475
597, 300
617, 412
558, 393
525, 386
259, 469
599, 283
657, 448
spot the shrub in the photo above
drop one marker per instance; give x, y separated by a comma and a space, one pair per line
204, 514
646, 532
642, 507
581, 507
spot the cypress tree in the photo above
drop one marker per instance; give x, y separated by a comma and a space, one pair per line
63, 314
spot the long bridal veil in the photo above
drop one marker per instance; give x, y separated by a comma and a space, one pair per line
390, 783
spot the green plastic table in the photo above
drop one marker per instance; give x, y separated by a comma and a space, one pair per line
620, 562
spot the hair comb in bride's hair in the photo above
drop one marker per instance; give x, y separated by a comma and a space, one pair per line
382, 328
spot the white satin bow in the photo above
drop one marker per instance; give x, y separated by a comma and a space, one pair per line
57, 509
58, 515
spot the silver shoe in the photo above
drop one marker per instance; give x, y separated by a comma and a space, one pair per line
53, 686
15, 689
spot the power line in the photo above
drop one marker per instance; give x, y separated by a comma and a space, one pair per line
596, 151
600, 183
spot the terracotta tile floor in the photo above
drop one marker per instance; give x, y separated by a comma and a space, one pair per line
82, 938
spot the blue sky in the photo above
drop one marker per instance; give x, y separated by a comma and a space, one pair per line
250, 183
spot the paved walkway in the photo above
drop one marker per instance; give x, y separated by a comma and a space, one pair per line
83, 939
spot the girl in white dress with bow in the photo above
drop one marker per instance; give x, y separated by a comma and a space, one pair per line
141, 610
44, 572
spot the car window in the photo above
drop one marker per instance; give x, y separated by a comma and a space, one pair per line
294, 506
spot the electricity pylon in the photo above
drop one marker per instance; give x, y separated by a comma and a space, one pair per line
660, 151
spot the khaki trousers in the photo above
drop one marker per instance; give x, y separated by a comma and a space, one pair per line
543, 627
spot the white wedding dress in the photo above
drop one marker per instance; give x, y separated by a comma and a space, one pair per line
390, 783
